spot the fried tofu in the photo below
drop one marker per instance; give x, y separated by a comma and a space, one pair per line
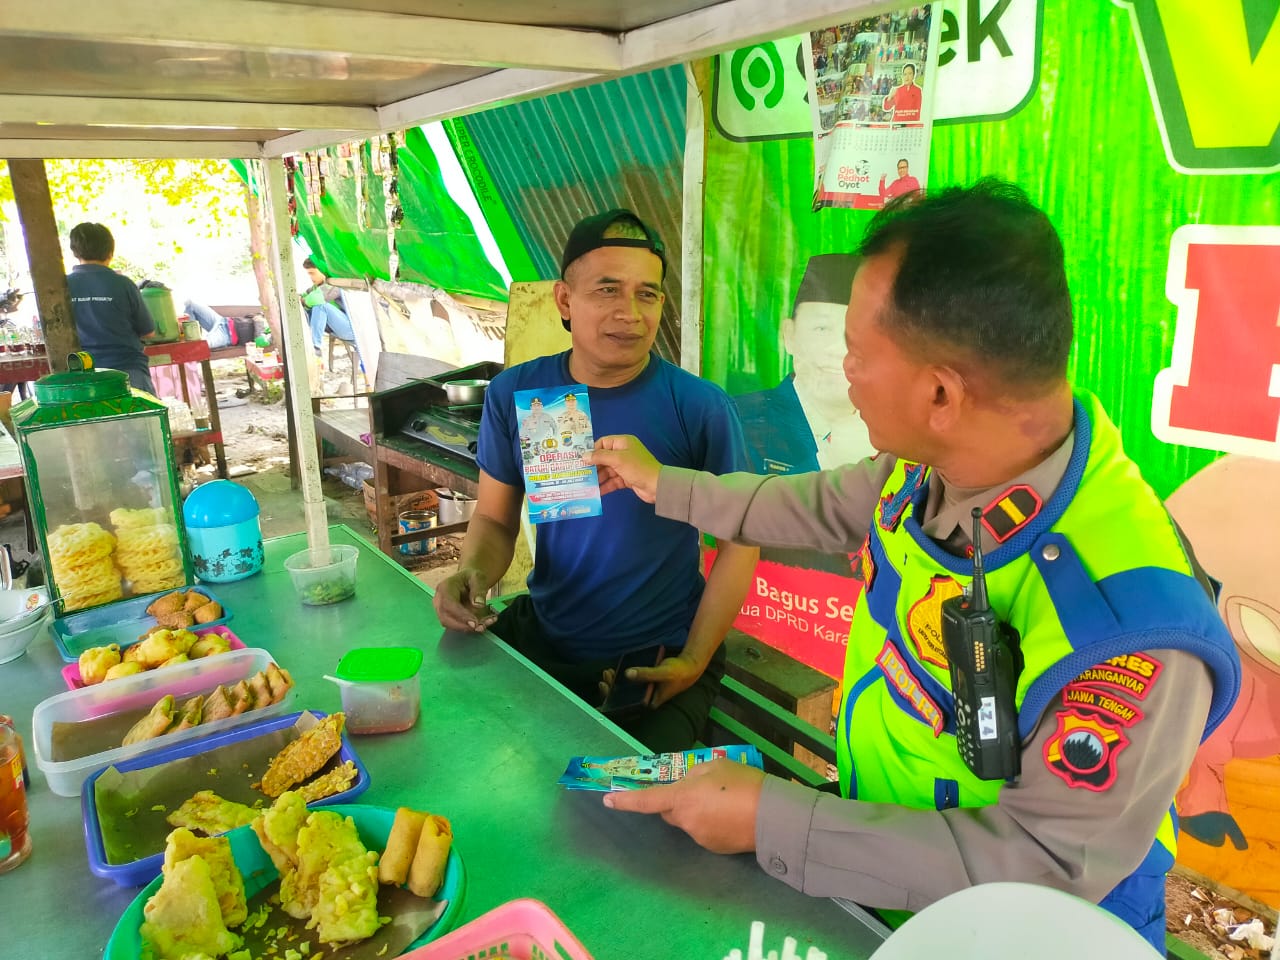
169, 603
210, 814
183, 918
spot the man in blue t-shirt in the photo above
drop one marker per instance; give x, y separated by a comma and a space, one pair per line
111, 319
605, 586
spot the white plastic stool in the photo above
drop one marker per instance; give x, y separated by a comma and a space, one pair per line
1013, 921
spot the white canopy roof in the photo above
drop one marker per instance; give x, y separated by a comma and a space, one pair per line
246, 78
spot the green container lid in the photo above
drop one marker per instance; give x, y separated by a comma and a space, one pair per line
379, 664
82, 386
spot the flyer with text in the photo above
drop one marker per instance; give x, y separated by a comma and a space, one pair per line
554, 426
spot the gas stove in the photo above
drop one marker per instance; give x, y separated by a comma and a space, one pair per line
452, 428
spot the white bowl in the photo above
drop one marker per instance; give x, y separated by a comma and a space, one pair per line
21, 608
14, 644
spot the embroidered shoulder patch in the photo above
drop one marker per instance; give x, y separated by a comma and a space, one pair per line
1010, 511
893, 505
1133, 674
1083, 750
1101, 702
924, 621
901, 679
863, 564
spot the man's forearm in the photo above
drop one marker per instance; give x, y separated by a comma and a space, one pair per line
727, 585
488, 547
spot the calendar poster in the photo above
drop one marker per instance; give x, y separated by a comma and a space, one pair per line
871, 85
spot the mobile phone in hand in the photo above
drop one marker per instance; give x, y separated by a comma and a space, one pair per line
628, 698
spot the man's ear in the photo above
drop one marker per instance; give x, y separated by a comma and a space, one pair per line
948, 395
561, 294
788, 331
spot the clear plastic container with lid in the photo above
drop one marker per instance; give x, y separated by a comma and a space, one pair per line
380, 691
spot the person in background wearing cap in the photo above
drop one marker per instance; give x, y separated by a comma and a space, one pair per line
807, 421
959, 329
626, 580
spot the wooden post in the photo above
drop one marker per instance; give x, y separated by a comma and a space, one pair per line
260, 248
695, 171
295, 347
44, 254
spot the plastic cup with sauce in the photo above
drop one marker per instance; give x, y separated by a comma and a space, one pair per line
380, 690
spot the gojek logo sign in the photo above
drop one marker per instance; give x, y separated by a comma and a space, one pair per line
989, 59
1214, 74
1222, 389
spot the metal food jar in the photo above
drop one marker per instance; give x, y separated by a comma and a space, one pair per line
102, 488
226, 537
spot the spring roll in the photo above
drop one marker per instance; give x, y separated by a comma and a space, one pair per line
401, 845
426, 873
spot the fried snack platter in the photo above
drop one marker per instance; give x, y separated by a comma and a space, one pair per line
225, 638
129, 621
270, 932
130, 807
80, 731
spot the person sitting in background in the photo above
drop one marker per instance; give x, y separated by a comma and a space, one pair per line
327, 310
111, 319
216, 327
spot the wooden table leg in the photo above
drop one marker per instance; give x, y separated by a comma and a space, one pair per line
215, 419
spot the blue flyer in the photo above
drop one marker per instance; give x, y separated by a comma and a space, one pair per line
555, 430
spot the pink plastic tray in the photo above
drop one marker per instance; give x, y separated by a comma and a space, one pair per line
71, 672
521, 930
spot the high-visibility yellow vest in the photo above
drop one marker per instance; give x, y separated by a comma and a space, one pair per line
1080, 581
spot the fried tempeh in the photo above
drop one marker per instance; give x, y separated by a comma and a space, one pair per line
304, 756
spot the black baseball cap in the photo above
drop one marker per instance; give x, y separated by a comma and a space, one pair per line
589, 234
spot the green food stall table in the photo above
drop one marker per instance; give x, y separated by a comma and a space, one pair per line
493, 736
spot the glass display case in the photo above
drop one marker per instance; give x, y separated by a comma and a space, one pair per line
100, 479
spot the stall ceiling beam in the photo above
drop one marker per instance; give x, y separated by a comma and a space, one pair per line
305, 140
491, 90
115, 111
130, 149
304, 29
737, 23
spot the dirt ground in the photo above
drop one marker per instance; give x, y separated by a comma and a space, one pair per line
255, 439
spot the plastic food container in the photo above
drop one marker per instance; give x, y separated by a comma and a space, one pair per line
380, 690
374, 826
521, 930
324, 576
121, 623
221, 518
89, 724
229, 743
71, 672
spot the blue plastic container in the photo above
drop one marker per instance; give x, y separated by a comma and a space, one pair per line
225, 537
137, 872
122, 622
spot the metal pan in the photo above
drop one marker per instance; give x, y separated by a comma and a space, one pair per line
465, 391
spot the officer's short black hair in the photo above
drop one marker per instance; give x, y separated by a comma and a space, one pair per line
92, 241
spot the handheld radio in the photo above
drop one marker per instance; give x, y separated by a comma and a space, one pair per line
985, 660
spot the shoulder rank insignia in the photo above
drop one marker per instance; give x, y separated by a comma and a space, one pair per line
893, 505
1083, 750
1011, 511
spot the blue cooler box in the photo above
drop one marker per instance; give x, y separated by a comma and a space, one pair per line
223, 531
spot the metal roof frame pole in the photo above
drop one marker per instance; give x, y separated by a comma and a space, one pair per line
297, 359
695, 172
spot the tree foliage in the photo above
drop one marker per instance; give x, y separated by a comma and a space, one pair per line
173, 219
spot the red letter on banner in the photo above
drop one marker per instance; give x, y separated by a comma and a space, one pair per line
1222, 390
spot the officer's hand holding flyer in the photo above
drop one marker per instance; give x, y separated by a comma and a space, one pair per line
555, 431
